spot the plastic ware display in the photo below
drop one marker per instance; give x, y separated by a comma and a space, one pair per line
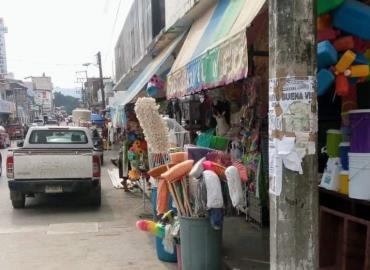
345, 61
353, 17
325, 79
360, 131
326, 54
324, 6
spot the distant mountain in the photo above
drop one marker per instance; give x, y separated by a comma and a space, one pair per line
73, 92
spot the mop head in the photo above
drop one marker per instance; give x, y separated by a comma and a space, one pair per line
154, 127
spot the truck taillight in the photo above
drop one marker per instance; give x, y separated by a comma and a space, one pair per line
96, 166
10, 166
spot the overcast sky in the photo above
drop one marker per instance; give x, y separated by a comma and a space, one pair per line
58, 36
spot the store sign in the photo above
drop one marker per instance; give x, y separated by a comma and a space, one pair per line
220, 65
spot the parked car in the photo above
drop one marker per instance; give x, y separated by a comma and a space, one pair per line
38, 122
52, 122
54, 160
4, 138
15, 131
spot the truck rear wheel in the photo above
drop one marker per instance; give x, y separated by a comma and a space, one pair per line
18, 199
95, 196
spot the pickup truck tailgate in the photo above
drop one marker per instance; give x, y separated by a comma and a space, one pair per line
52, 164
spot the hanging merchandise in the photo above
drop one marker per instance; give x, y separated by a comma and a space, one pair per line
155, 85
155, 129
331, 177
235, 186
173, 110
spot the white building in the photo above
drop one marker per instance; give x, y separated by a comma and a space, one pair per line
3, 64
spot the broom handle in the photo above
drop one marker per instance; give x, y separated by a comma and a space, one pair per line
186, 198
174, 196
184, 209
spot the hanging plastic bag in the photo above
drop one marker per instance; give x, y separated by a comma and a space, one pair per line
235, 186
331, 177
214, 191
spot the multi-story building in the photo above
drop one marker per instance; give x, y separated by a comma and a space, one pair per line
3, 64
43, 89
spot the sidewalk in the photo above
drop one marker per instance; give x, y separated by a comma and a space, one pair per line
244, 245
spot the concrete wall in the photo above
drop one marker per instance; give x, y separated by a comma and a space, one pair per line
175, 10
135, 37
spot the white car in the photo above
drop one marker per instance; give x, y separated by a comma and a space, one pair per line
54, 160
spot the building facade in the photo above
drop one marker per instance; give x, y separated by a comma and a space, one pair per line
43, 90
3, 62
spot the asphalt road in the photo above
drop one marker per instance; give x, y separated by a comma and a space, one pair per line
63, 232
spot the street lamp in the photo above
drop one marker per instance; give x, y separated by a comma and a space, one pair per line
98, 55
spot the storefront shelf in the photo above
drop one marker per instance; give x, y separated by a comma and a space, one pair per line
344, 241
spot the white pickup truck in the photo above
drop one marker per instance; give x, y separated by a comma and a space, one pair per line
54, 160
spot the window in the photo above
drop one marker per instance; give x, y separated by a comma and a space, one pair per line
58, 137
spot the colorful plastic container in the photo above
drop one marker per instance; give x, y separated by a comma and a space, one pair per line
360, 131
344, 182
353, 17
324, 6
327, 34
345, 61
359, 180
326, 54
344, 43
333, 139
323, 22
358, 71
341, 85
344, 149
361, 59
325, 79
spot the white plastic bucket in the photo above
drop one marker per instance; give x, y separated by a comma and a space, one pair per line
359, 176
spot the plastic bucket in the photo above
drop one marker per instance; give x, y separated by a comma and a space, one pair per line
333, 139
161, 253
344, 182
360, 131
344, 148
200, 244
359, 180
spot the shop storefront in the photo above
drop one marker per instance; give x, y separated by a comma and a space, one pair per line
343, 87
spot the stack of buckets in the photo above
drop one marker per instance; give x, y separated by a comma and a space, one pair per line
337, 150
359, 156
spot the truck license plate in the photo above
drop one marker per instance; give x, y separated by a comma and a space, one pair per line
53, 189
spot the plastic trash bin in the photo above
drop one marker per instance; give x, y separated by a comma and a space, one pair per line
200, 244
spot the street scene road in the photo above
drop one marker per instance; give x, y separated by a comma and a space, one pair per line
64, 232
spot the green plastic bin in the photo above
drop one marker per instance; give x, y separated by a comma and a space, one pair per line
200, 244
324, 6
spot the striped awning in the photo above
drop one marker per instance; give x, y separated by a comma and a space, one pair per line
152, 68
215, 51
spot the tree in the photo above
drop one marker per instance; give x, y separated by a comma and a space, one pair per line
70, 103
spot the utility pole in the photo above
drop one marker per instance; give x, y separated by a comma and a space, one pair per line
292, 135
101, 79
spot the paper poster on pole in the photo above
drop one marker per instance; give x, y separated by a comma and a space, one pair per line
292, 126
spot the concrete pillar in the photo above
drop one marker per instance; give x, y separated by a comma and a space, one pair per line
293, 118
